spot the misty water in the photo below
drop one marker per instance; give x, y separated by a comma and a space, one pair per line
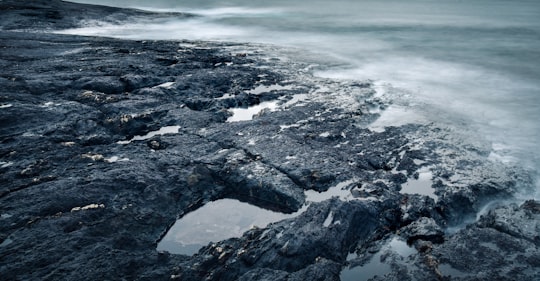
472, 65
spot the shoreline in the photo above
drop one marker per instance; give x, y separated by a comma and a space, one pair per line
72, 107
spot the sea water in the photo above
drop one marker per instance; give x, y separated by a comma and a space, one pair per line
473, 64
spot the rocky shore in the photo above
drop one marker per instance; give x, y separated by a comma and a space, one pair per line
105, 143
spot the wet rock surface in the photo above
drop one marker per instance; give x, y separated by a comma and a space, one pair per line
505, 233
54, 15
105, 143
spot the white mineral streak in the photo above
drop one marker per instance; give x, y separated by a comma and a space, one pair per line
88, 207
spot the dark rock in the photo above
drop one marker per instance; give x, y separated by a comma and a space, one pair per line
479, 251
156, 144
424, 229
415, 207
532, 206
321, 238
56, 14
107, 85
135, 81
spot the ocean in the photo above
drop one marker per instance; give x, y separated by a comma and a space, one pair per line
472, 65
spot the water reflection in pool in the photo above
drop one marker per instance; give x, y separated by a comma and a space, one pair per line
215, 221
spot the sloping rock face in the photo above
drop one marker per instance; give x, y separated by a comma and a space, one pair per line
105, 143
53, 15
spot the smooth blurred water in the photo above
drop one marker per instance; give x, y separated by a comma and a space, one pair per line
473, 63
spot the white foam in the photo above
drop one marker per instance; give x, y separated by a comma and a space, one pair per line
502, 153
218, 12
8, 105
234, 11
505, 159
192, 28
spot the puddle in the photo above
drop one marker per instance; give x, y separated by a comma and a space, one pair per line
246, 114
226, 218
376, 265
265, 89
342, 190
160, 132
213, 222
296, 100
447, 269
422, 185
226, 96
401, 248
394, 116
